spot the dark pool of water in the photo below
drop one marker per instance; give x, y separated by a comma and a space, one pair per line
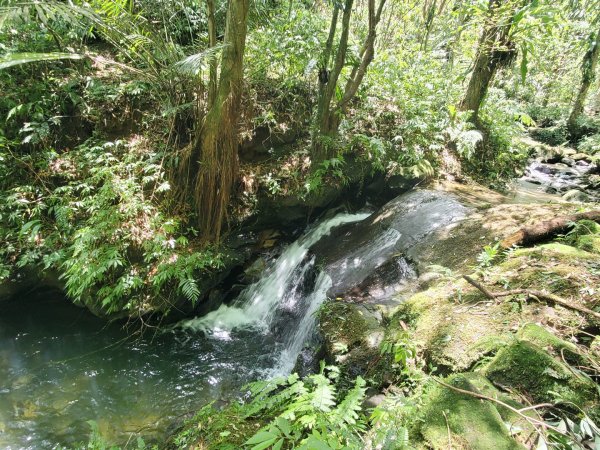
61, 367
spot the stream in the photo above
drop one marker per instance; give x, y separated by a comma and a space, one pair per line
61, 367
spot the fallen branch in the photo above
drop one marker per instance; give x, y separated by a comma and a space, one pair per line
545, 230
538, 295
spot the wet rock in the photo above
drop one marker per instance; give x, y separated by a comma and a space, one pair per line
548, 154
575, 195
374, 401
384, 282
253, 272
428, 278
354, 252
582, 157
308, 360
352, 336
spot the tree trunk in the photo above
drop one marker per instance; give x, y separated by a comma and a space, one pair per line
212, 42
590, 60
428, 16
494, 51
218, 143
328, 115
325, 118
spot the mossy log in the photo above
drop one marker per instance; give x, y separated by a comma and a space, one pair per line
545, 230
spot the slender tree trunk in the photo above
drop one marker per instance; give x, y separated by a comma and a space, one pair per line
328, 115
428, 16
340, 59
212, 42
324, 73
218, 143
588, 69
494, 51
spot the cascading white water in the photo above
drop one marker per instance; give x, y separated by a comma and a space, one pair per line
257, 305
296, 339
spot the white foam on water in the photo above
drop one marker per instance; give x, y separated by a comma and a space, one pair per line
257, 305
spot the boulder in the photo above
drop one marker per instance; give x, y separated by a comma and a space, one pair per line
582, 157
451, 419
532, 371
575, 195
353, 253
352, 336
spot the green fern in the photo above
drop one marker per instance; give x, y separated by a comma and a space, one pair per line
307, 413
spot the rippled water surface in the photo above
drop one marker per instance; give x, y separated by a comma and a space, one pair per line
60, 367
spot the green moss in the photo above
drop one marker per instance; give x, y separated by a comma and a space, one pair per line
554, 250
533, 372
344, 324
589, 243
464, 421
225, 429
543, 338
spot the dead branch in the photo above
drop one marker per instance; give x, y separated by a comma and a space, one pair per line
530, 293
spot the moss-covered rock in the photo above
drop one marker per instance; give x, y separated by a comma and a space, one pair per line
589, 243
548, 341
555, 250
352, 337
450, 419
533, 372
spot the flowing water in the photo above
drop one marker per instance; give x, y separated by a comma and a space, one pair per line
60, 367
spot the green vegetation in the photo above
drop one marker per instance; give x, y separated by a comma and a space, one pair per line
150, 149
139, 91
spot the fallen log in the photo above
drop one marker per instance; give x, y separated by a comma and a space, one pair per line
530, 293
545, 230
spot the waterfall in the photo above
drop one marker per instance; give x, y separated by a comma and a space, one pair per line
278, 296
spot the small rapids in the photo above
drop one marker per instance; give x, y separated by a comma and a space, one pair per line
280, 301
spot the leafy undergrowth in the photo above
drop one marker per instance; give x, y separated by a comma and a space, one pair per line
95, 217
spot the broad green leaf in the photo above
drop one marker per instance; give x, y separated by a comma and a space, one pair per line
16, 59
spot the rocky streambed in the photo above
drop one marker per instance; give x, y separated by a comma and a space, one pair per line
561, 171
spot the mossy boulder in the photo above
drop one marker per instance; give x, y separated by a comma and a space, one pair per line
450, 419
548, 341
538, 375
589, 243
352, 336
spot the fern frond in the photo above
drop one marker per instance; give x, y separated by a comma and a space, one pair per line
347, 413
189, 289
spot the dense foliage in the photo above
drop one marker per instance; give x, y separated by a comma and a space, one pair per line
106, 102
